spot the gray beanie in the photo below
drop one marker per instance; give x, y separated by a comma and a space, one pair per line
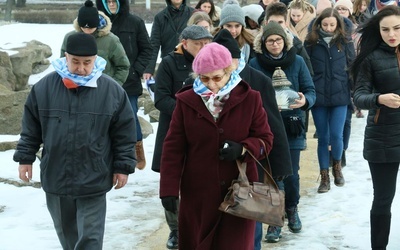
195, 32
231, 12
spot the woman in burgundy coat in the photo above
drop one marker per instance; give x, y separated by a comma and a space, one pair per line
214, 124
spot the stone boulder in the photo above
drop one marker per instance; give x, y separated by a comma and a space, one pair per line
7, 77
11, 109
28, 60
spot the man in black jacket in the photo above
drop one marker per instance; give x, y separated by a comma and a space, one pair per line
131, 31
85, 123
167, 26
172, 73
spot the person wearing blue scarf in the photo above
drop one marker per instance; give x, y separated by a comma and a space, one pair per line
85, 123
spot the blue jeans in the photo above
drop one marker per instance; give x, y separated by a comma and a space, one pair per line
133, 99
258, 236
329, 122
291, 184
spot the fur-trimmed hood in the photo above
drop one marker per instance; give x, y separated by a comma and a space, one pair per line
258, 43
101, 31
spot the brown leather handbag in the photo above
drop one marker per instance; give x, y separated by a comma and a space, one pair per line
262, 202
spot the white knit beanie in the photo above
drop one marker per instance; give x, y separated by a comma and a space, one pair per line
346, 3
231, 12
253, 11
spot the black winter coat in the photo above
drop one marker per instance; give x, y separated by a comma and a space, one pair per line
379, 74
132, 32
174, 69
167, 27
279, 156
329, 63
88, 134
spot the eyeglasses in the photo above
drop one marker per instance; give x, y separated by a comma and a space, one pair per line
342, 9
111, 1
206, 79
272, 41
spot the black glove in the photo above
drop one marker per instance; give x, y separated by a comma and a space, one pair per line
169, 203
230, 151
294, 126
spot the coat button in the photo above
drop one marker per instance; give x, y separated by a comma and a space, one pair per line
221, 130
222, 183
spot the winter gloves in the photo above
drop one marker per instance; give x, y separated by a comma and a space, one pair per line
170, 203
231, 151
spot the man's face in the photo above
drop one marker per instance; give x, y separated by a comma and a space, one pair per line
278, 19
194, 46
176, 3
112, 6
80, 65
88, 31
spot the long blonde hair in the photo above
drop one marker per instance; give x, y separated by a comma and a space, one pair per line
245, 36
303, 5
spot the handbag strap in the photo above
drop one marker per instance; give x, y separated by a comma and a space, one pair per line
267, 170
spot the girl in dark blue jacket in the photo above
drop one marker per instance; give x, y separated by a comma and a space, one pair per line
330, 49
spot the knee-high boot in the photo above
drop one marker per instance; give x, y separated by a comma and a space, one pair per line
380, 229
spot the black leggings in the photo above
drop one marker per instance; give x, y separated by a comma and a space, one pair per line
384, 177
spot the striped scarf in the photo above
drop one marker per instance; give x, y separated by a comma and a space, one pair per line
60, 65
215, 101
242, 63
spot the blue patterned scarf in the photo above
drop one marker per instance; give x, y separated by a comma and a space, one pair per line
215, 101
60, 65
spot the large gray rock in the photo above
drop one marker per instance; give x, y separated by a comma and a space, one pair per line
28, 60
7, 77
11, 109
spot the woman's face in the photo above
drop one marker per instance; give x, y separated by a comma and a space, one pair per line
363, 6
329, 24
204, 24
296, 15
274, 44
206, 7
390, 30
343, 11
234, 28
215, 80
268, 2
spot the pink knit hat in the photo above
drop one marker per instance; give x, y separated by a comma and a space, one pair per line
211, 57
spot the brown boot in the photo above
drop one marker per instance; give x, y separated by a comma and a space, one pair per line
337, 173
140, 158
325, 184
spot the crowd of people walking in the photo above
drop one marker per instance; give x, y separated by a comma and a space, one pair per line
215, 92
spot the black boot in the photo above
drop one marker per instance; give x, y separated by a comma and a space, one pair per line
172, 242
325, 184
337, 173
380, 229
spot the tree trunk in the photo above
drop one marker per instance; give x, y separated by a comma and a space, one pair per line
21, 3
9, 6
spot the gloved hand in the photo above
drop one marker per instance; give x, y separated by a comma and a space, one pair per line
169, 203
230, 151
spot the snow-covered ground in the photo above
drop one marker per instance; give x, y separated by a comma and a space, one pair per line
336, 220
